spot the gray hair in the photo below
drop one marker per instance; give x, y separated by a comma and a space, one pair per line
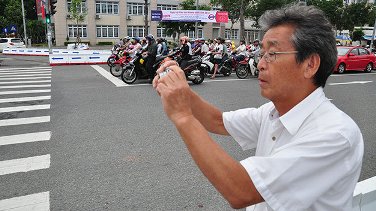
313, 34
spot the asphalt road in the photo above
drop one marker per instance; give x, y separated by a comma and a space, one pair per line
113, 148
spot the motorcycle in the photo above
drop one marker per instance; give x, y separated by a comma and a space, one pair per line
136, 68
115, 55
224, 68
247, 67
118, 66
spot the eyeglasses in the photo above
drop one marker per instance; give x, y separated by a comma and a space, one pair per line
272, 56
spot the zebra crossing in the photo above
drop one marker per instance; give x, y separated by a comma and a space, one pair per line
25, 95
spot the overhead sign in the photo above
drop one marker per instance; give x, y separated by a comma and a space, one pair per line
212, 16
13, 28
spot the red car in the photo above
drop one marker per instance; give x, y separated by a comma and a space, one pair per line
354, 58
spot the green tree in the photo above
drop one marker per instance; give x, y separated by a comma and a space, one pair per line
356, 14
78, 15
357, 34
174, 29
258, 7
333, 9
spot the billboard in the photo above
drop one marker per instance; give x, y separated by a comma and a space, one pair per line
212, 16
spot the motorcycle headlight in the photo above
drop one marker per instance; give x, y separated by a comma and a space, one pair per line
142, 61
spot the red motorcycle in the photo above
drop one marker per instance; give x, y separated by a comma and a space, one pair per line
115, 55
119, 65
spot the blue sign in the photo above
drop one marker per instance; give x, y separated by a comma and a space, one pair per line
13, 28
156, 15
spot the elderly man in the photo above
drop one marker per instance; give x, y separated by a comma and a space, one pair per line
308, 152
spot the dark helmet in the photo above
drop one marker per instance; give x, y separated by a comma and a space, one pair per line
149, 37
137, 39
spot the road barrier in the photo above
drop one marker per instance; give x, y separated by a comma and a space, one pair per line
63, 56
364, 197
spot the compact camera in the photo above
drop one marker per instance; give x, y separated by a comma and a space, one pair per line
164, 73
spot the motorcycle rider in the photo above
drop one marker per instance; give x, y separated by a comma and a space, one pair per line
254, 50
136, 46
186, 51
218, 55
151, 52
241, 51
204, 47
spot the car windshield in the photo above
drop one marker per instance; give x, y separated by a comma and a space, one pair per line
342, 51
15, 40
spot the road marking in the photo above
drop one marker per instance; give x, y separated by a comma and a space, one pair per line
24, 164
25, 138
25, 86
24, 72
37, 201
24, 92
24, 121
24, 108
26, 82
108, 76
351, 82
29, 78
23, 99
28, 75
27, 68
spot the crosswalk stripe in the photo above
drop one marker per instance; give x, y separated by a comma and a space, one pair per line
24, 164
25, 86
26, 68
25, 138
24, 92
23, 78
28, 75
108, 76
24, 72
24, 108
26, 82
23, 99
24, 121
37, 201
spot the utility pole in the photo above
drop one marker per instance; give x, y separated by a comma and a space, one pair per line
373, 36
48, 22
24, 23
196, 29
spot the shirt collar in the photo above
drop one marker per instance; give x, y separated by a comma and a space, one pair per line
294, 118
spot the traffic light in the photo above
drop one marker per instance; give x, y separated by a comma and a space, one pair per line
48, 18
52, 6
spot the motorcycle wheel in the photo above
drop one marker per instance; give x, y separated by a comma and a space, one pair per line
111, 61
242, 71
129, 75
201, 78
226, 69
116, 70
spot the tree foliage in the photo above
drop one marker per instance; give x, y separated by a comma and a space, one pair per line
78, 16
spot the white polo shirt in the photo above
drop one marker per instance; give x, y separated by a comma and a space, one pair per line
308, 159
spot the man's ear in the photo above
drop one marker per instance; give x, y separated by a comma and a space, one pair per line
312, 65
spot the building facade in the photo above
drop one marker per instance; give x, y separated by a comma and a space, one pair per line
109, 20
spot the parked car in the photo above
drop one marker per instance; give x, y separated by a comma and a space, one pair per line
11, 43
354, 58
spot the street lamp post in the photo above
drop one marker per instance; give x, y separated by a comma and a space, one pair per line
196, 29
24, 22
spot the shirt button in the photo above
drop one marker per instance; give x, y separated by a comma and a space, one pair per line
273, 138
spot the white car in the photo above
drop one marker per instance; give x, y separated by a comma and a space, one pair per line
11, 43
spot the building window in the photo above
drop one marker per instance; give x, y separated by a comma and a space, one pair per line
161, 32
166, 7
135, 8
82, 7
108, 31
136, 31
107, 7
191, 34
72, 31
232, 34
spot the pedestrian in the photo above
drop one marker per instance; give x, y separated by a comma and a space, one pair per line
151, 52
308, 152
218, 52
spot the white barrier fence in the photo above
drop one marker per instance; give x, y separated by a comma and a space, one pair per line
364, 197
64, 56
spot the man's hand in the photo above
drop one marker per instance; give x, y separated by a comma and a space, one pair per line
174, 91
